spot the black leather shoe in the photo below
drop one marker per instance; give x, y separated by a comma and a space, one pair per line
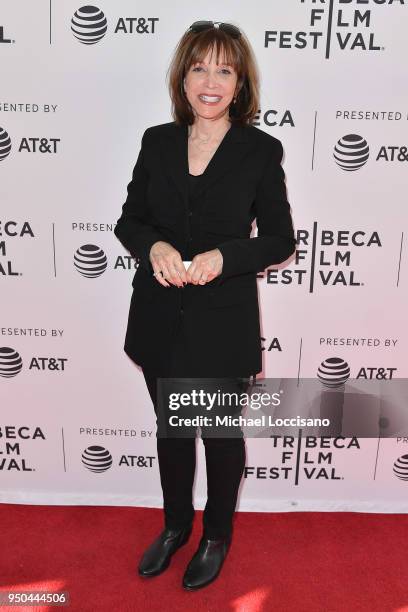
206, 563
157, 557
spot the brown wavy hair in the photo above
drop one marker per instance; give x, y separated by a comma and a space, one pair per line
192, 48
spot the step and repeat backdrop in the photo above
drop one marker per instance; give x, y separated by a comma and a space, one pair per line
79, 85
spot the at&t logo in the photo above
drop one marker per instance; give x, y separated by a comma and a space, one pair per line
11, 363
400, 468
351, 152
89, 25
98, 459
90, 261
333, 372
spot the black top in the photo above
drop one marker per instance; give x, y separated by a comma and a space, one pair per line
193, 180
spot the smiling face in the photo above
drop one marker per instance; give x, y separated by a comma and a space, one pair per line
210, 87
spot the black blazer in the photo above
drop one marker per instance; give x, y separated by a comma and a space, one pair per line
243, 180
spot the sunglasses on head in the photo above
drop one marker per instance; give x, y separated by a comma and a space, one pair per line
200, 26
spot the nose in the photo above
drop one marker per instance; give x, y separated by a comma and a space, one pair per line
211, 79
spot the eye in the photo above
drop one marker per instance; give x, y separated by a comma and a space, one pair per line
222, 71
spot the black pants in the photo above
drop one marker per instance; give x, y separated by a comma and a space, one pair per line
225, 462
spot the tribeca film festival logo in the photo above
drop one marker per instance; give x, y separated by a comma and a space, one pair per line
98, 459
351, 153
90, 261
307, 460
313, 463
328, 255
4, 38
13, 230
28, 144
11, 439
89, 25
11, 363
337, 24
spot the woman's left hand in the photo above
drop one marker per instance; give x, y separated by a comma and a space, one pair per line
205, 267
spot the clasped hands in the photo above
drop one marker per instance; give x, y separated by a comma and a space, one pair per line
169, 268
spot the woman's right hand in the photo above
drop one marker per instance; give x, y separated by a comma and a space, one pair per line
167, 264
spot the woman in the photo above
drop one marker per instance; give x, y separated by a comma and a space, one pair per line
198, 184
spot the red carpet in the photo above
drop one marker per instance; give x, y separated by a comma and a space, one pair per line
295, 561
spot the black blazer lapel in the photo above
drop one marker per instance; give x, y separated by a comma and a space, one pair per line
174, 156
227, 157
